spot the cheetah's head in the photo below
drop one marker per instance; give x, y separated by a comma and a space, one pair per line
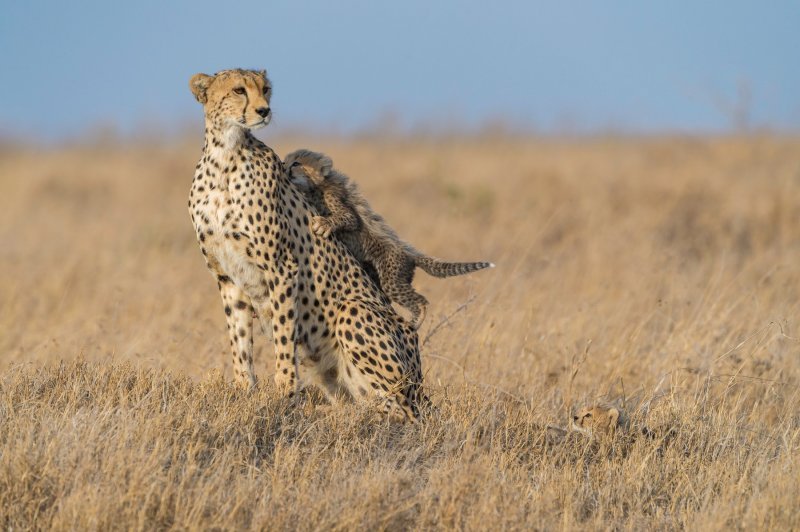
234, 98
597, 419
308, 165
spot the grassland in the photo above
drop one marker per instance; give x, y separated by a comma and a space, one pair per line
658, 273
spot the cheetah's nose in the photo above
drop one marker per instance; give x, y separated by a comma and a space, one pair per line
262, 111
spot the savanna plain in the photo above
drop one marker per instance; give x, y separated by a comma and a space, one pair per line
659, 274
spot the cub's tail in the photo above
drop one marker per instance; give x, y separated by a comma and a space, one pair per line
440, 268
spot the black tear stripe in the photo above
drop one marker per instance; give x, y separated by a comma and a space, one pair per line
246, 103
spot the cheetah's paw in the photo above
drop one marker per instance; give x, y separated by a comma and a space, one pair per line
321, 226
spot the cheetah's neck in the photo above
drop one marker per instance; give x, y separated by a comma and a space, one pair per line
221, 145
222, 149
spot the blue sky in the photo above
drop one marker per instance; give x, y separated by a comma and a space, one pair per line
549, 66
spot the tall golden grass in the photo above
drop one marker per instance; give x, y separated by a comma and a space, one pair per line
659, 273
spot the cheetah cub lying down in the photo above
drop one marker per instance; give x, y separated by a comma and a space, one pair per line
366, 234
598, 420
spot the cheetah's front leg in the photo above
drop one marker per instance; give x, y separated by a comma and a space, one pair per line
239, 317
342, 217
284, 327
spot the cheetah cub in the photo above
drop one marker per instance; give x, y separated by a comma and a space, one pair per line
597, 420
344, 211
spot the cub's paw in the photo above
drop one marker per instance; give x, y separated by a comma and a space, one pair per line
321, 226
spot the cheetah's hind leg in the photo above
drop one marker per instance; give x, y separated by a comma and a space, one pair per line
405, 296
380, 357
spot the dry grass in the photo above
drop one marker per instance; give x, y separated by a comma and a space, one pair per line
662, 273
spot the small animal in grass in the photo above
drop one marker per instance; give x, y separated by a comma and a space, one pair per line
346, 213
597, 419
606, 420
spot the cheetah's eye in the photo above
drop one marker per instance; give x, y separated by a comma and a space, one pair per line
239, 90
267, 89
588, 415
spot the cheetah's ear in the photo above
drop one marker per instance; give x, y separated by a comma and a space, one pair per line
262, 73
199, 85
613, 416
325, 166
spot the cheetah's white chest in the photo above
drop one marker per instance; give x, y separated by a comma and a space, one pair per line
239, 267
216, 224
215, 213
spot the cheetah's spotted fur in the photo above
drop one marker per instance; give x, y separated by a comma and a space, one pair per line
331, 325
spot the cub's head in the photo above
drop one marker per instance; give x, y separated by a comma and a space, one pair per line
234, 98
596, 420
307, 165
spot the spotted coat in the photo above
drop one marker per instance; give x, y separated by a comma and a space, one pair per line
331, 325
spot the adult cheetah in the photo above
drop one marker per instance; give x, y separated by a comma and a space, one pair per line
332, 326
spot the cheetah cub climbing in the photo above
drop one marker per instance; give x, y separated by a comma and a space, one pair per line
345, 212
